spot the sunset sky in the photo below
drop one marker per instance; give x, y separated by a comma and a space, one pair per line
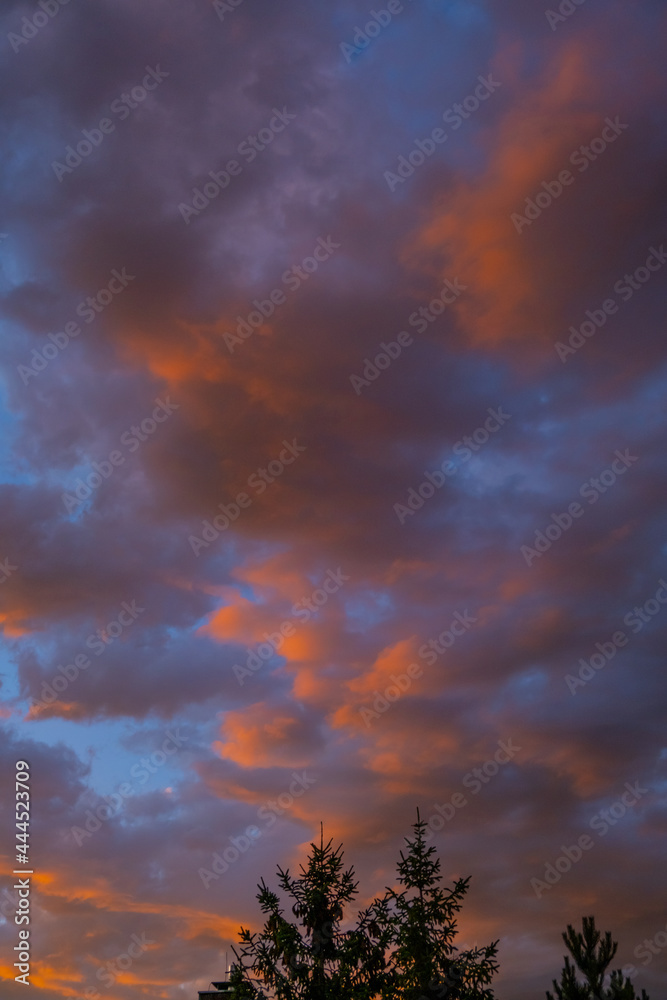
332, 469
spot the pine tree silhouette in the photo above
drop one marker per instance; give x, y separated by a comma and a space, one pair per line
314, 959
424, 963
400, 947
592, 954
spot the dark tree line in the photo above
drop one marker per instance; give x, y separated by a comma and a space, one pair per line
400, 948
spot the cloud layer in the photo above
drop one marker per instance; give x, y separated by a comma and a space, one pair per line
255, 333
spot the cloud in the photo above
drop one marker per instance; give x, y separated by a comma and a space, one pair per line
332, 510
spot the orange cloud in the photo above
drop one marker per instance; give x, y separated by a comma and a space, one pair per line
511, 286
392, 662
265, 736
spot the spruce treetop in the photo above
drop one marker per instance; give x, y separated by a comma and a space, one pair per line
592, 954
